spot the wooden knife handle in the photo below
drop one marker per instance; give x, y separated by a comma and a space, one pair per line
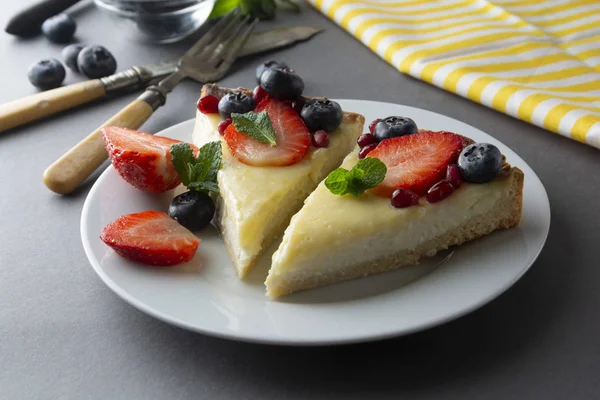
42, 104
70, 170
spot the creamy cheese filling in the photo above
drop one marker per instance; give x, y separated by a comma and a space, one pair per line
336, 231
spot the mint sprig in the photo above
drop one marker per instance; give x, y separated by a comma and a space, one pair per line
198, 173
257, 126
366, 174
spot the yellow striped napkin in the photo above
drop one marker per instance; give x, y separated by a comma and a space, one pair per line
536, 60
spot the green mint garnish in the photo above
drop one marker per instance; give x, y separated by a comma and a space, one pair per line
366, 174
198, 173
257, 126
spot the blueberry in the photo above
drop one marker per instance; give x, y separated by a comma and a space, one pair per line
239, 103
69, 55
282, 83
96, 62
268, 64
59, 28
391, 127
322, 114
46, 74
480, 162
194, 210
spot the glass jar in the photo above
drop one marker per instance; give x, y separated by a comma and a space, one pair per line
159, 21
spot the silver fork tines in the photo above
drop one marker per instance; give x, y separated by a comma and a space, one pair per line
212, 55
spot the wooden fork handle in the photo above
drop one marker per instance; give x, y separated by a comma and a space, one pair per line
46, 103
73, 167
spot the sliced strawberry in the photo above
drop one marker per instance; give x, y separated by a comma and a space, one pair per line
292, 138
416, 162
142, 159
150, 237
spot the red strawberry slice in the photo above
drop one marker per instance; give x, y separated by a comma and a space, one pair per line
150, 237
292, 137
142, 159
416, 162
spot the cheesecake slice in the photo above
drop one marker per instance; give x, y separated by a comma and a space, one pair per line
256, 202
337, 238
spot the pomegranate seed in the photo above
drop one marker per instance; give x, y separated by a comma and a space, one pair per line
320, 139
258, 94
372, 125
223, 125
366, 150
439, 191
402, 198
453, 175
298, 104
365, 140
208, 104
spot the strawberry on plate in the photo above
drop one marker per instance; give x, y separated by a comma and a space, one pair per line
142, 159
416, 162
150, 237
292, 138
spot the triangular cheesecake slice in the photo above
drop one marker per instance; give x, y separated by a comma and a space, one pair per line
335, 238
257, 202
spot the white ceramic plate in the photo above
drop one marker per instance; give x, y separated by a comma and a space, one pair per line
206, 296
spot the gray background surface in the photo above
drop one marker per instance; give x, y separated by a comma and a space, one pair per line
65, 335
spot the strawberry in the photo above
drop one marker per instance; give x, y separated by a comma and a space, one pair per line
416, 162
292, 137
142, 159
150, 237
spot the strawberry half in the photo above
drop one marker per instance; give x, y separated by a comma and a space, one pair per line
292, 137
150, 237
142, 159
416, 162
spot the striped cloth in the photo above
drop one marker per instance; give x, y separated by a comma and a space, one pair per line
536, 60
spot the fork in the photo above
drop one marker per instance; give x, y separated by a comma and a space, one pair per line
207, 60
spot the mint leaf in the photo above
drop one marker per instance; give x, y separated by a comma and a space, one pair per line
374, 171
182, 155
204, 186
223, 7
257, 126
336, 181
366, 174
198, 173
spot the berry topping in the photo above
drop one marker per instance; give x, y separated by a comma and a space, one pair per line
269, 64
59, 28
223, 125
366, 150
69, 56
282, 83
373, 124
320, 139
480, 162
142, 159
208, 104
258, 94
96, 62
298, 104
322, 114
453, 175
192, 209
292, 138
439, 191
391, 127
46, 74
365, 140
150, 237
238, 103
416, 162
402, 198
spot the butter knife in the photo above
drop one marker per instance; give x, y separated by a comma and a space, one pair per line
50, 102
